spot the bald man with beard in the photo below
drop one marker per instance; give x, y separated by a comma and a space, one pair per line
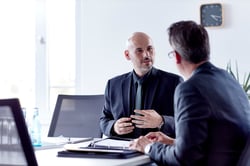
120, 117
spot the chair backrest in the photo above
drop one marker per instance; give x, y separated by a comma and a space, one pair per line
245, 156
15, 143
77, 116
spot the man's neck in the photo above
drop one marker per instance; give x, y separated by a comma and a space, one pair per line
190, 68
141, 73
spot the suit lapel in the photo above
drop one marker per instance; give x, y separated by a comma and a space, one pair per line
151, 92
126, 86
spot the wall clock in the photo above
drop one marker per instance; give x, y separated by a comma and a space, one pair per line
211, 15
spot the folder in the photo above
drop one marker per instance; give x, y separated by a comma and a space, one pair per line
114, 148
111, 143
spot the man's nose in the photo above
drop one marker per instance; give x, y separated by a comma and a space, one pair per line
146, 53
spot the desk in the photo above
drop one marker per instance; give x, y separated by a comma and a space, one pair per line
47, 157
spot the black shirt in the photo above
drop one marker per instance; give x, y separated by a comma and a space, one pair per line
134, 88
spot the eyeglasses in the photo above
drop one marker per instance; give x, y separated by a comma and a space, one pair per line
171, 54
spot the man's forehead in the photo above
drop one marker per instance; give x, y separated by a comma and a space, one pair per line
145, 43
143, 47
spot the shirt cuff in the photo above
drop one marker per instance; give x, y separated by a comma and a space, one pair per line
147, 148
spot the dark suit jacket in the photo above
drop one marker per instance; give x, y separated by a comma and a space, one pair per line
159, 97
212, 120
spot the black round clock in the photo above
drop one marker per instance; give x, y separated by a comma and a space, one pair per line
211, 15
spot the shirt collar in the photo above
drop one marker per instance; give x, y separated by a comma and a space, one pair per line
142, 79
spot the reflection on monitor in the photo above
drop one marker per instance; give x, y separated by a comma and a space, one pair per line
15, 145
11, 151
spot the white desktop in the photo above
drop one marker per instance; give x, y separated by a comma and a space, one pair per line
48, 156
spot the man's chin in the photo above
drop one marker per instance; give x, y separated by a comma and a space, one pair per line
148, 65
147, 68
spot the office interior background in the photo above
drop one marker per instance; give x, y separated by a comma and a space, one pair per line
74, 46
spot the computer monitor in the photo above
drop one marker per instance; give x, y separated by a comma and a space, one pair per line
77, 116
15, 144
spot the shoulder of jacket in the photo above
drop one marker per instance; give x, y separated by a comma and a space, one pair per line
120, 77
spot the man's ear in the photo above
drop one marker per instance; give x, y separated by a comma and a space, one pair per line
177, 57
126, 53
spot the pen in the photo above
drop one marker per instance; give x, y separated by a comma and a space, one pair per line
80, 140
92, 143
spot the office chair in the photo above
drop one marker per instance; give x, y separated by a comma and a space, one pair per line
245, 156
15, 144
77, 116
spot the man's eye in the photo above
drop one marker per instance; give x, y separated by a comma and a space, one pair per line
139, 51
150, 49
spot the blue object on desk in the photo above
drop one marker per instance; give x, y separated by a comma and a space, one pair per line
123, 154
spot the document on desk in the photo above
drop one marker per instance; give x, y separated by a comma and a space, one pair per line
100, 148
111, 143
106, 144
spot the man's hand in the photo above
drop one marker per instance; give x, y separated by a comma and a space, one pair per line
146, 119
139, 144
160, 137
123, 126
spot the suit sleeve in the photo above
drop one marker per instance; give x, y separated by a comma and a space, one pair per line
169, 125
107, 120
168, 128
191, 119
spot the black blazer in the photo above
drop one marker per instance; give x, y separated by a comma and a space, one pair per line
159, 96
212, 120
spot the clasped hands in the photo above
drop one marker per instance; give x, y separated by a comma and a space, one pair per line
140, 143
142, 119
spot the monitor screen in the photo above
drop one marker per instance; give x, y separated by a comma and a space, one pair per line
11, 152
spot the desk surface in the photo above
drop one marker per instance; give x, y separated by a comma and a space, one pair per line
48, 156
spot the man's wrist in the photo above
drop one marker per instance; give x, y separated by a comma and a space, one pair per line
147, 148
161, 124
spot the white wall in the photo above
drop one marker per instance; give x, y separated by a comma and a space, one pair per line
106, 24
